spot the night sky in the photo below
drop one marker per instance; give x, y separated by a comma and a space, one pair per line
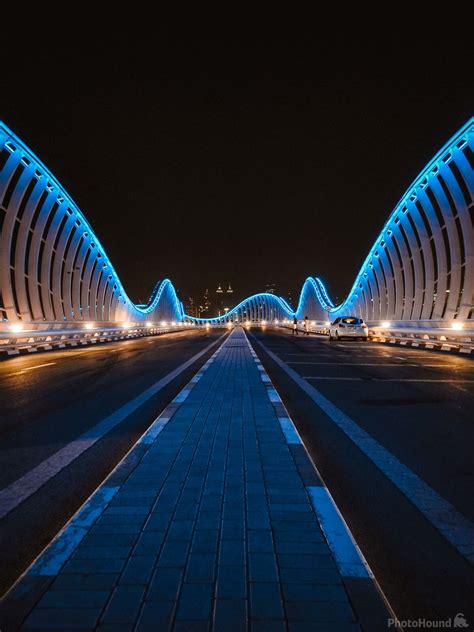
248, 182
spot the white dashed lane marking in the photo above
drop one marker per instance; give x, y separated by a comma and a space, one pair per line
32, 368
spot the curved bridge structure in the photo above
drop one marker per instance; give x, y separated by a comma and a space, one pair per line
54, 270
52, 266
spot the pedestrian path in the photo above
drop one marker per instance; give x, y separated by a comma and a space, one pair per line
211, 523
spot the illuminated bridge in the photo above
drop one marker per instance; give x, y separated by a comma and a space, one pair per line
54, 269
222, 477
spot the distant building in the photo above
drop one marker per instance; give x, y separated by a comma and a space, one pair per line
191, 307
206, 306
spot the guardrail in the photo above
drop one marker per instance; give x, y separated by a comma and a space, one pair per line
47, 336
416, 334
443, 338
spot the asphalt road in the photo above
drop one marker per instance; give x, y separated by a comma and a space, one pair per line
416, 404
48, 400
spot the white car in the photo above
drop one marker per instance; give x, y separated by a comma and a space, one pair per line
348, 327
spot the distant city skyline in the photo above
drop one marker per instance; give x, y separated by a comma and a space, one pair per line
208, 303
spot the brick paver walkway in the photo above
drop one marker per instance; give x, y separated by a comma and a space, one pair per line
211, 529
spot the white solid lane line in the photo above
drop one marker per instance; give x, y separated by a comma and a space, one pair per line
29, 483
32, 368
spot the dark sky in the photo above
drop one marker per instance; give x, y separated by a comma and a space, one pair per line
252, 182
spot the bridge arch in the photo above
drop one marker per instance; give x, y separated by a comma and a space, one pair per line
54, 269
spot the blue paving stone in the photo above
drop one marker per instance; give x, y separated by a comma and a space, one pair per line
124, 605
195, 602
60, 619
165, 584
259, 541
126, 511
289, 532
268, 626
314, 592
258, 520
205, 541
102, 581
131, 501
110, 529
262, 567
233, 529
109, 539
230, 615
232, 553
93, 566
323, 626
155, 616
121, 519
174, 554
115, 627
309, 575
306, 561
74, 599
158, 521
191, 626
102, 552
180, 530
208, 520
149, 543
319, 611
138, 569
231, 582
201, 567
302, 548
265, 601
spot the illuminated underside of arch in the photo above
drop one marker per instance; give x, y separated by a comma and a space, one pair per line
54, 269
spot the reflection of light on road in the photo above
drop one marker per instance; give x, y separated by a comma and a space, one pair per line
32, 368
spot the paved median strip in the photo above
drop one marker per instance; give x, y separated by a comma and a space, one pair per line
348, 556
28, 484
359, 581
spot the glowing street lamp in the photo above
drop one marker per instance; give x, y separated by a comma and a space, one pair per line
17, 327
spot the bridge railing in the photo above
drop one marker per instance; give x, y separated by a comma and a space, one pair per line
423, 334
426, 334
46, 336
